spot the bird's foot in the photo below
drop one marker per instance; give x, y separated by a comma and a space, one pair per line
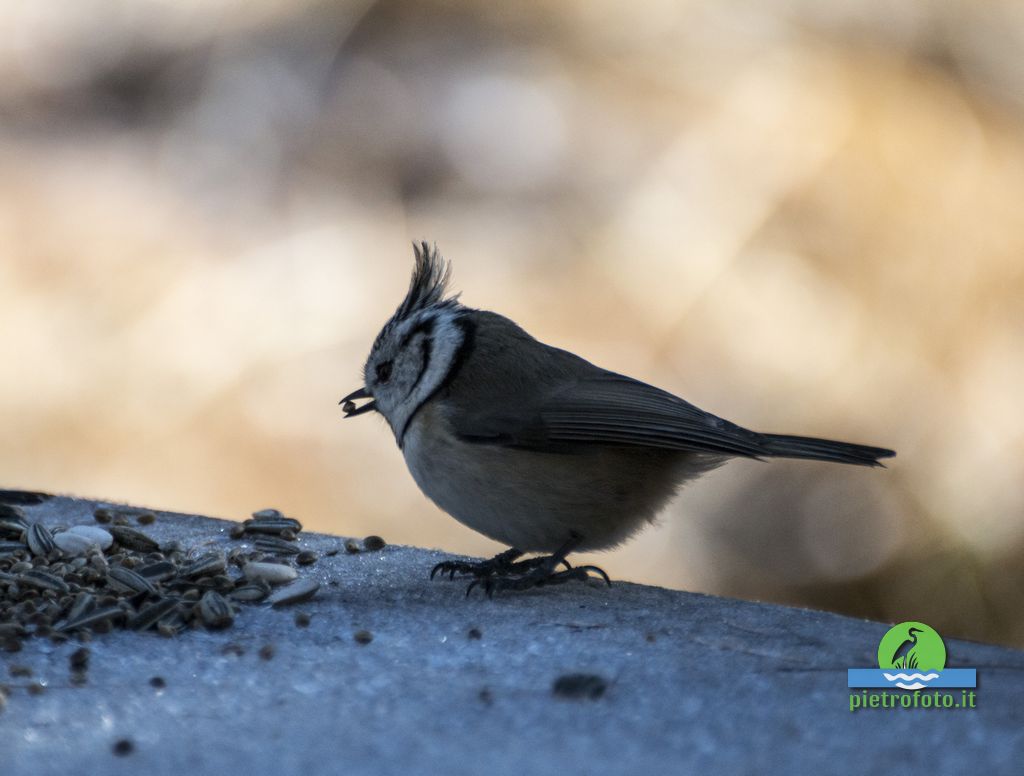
499, 564
542, 573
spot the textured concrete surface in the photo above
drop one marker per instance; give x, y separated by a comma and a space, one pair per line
694, 684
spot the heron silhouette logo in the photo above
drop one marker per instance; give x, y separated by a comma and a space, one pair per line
911, 656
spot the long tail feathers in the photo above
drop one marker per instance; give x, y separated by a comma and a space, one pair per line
786, 446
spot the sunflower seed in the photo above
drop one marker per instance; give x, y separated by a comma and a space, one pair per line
7, 548
83, 604
131, 539
274, 573
149, 615
159, 571
306, 557
250, 593
93, 619
295, 593
130, 581
215, 611
266, 514
26, 498
276, 545
210, 563
12, 526
272, 526
39, 539
44, 581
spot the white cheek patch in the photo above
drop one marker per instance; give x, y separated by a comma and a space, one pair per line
443, 342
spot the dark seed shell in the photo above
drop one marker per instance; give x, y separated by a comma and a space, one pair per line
151, 614
39, 539
159, 571
215, 611
211, 563
295, 593
130, 581
131, 539
93, 619
43, 580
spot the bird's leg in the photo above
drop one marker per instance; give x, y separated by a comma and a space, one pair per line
537, 572
501, 563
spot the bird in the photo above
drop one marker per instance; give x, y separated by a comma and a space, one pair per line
534, 446
904, 656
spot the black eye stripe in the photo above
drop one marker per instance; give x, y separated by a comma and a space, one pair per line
425, 348
423, 327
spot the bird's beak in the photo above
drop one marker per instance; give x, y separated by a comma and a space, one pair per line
349, 406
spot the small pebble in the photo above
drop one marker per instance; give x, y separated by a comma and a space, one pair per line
579, 686
373, 543
79, 659
158, 682
351, 546
123, 747
305, 558
475, 633
146, 518
267, 652
302, 620
363, 637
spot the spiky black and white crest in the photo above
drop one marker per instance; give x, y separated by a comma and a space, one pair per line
429, 281
427, 288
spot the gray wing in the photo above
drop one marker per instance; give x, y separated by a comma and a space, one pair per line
518, 392
549, 399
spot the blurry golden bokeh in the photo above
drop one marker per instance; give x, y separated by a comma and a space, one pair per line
805, 217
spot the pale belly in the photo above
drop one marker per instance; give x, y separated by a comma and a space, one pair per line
536, 501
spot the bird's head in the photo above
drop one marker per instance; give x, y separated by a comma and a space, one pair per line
416, 347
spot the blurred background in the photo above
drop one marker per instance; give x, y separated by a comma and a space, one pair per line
807, 217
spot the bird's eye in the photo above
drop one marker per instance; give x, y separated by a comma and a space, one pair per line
384, 372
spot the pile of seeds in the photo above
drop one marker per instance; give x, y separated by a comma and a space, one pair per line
90, 579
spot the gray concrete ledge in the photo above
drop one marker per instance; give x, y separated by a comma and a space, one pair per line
694, 683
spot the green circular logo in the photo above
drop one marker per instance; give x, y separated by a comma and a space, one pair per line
912, 645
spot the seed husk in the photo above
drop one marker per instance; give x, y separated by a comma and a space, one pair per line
266, 514
25, 498
295, 593
44, 581
250, 593
11, 547
159, 571
215, 611
277, 545
131, 539
131, 581
149, 615
272, 526
306, 558
208, 564
83, 604
39, 539
92, 619
13, 525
